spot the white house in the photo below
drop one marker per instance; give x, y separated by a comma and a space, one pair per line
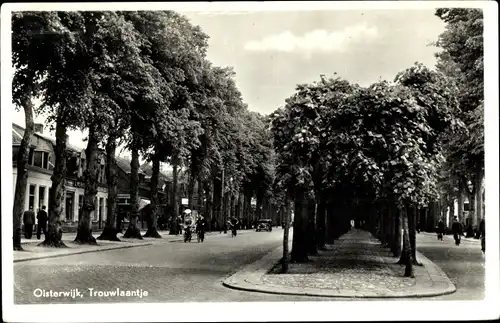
40, 169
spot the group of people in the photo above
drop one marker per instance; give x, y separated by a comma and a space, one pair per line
29, 221
457, 230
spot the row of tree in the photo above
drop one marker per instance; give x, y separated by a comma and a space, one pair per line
381, 153
140, 79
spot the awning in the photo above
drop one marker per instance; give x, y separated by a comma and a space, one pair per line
143, 203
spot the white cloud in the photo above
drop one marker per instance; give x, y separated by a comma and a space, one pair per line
318, 40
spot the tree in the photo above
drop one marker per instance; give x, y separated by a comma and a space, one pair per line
462, 59
48, 48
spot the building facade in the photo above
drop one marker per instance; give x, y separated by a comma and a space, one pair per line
40, 169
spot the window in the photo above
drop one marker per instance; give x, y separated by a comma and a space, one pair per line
30, 156
31, 203
466, 207
41, 197
103, 175
101, 209
38, 159
72, 167
46, 160
122, 200
15, 151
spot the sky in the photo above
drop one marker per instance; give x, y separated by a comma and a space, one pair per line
271, 52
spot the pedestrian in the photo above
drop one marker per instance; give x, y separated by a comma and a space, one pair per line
440, 229
29, 221
42, 218
119, 222
482, 231
457, 229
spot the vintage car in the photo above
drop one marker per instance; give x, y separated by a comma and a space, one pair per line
264, 225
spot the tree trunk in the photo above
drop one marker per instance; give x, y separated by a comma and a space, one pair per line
330, 214
110, 230
321, 222
175, 194
191, 186
217, 198
57, 191
412, 227
312, 247
200, 195
460, 202
84, 233
478, 199
300, 226
471, 217
285, 260
22, 174
258, 208
241, 201
396, 245
406, 244
209, 203
233, 205
152, 231
452, 212
132, 230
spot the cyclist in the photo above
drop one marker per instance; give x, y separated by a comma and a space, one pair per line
200, 227
188, 223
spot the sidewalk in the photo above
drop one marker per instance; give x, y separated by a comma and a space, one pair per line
451, 237
356, 266
33, 252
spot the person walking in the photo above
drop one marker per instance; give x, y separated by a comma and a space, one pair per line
200, 228
482, 232
440, 229
42, 218
29, 221
457, 229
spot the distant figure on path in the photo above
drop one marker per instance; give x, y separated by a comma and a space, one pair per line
456, 227
440, 229
29, 221
482, 231
42, 218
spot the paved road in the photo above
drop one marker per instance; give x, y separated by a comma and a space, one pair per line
170, 271
177, 272
463, 264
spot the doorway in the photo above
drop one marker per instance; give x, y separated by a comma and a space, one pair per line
69, 209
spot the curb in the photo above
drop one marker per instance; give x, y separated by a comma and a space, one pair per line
82, 252
250, 279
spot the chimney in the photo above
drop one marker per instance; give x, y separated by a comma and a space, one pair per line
39, 127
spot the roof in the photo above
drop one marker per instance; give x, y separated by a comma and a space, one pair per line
16, 137
18, 132
148, 170
124, 164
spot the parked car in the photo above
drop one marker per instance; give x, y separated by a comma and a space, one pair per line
264, 225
